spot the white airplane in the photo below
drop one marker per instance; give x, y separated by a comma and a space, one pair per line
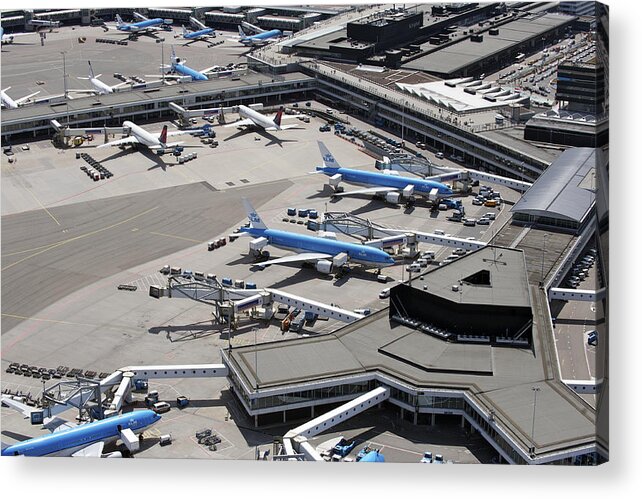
100, 88
153, 141
254, 118
10, 103
7, 39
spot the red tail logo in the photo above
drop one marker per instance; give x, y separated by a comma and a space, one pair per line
277, 118
163, 135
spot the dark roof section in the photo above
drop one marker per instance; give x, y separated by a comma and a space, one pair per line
566, 189
503, 268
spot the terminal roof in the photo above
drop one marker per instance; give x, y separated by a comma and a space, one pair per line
488, 276
566, 189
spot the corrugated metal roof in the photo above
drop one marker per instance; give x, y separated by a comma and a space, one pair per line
566, 189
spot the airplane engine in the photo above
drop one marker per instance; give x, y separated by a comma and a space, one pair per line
324, 266
115, 454
393, 197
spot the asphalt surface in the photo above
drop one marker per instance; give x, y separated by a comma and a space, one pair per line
43, 262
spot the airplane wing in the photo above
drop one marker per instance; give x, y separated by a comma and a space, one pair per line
26, 98
370, 190
210, 69
178, 132
127, 140
83, 91
246, 122
58, 424
93, 450
283, 127
299, 257
52, 423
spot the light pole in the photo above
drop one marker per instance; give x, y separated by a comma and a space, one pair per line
403, 120
64, 79
535, 389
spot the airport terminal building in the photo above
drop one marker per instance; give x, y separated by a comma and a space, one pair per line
484, 381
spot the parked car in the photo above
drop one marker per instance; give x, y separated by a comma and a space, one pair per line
427, 457
592, 337
344, 447
161, 407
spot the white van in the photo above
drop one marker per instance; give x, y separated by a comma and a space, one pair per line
422, 262
490, 215
161, 407
384, 293
414, 267
428, 255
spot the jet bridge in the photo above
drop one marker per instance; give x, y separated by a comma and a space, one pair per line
295, 441
230, 301
443, 240
185, 114
63, 133
351, 225
424, 168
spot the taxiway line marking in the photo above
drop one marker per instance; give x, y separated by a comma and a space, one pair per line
176, 237
76, 238
56, 321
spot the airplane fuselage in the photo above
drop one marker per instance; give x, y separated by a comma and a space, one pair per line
101, 88
66, 442
372, 179
258, 118
143, 136
301, 243
8, 101
260, 38
187, 71
141, 25
198, 34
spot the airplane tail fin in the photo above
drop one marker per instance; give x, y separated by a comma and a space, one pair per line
163, 135
91, 70
184, 30
175, 60
241, 32
119, 20
328, 158
253, 216
277, 118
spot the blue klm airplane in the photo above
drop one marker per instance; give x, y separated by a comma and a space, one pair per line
85, 440
203, 33
144, 25
312, 248
394, 187
178, 68
261, 38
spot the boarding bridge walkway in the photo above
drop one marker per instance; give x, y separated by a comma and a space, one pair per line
125, 377
295, 441
442, 240
571, 294
211, 292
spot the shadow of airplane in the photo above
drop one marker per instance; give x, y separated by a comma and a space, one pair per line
16, 436
244, 129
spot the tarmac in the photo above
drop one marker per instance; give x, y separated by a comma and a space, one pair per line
68, 242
